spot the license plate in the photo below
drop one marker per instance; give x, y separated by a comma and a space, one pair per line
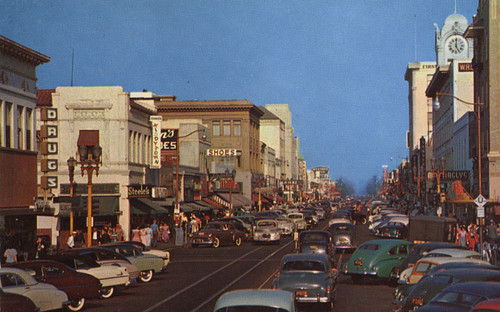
313, 247
301, 293
386, 234
417, 301
358, 262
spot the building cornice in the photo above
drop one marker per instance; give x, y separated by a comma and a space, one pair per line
17, 50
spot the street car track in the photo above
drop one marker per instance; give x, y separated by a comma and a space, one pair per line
162, 302
220, 292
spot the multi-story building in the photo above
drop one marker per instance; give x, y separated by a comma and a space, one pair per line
119, 122
234, 130
18, 156
485, 31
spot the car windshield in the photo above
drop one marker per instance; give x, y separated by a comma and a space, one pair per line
251, 308
303, 265
266, 224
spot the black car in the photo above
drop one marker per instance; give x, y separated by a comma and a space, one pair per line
392, 230
316, 242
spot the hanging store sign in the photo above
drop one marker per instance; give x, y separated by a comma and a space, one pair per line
169, 139
141, 190
223, 152
156, 142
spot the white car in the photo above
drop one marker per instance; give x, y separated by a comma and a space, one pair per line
256, 300
338, 220
46, 297
267, 230
298, 219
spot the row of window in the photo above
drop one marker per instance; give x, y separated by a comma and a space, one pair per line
16, 126
139, 148
226, 128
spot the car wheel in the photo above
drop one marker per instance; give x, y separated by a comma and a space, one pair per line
146, 276
216, 243
237, 241
107, 292
76, 305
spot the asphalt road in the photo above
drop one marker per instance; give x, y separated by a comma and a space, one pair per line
196, 277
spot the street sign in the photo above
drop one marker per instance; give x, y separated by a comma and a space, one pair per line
480, 212
480, 201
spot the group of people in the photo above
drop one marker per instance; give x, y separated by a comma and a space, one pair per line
469, 235
151, 234
105, 235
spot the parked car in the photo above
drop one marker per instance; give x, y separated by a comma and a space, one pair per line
147, 264
316, 242
286, 225
417, 252
344, 235
46, 297
403, 290
165, 255
110, 276
266, 230
256, 300
299, 220
422, 292
78, 286
216, 233
377, 258
105, 256
462, 297
309, 276
424, 265
15, 302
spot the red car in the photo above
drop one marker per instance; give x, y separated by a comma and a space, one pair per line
216, 234
16, 303
78, 286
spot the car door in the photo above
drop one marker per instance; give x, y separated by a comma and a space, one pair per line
14, 283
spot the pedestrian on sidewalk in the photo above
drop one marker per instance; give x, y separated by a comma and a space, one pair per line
155, 232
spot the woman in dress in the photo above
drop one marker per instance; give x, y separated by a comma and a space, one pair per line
136, 234
143, 236
165, 235
149, 236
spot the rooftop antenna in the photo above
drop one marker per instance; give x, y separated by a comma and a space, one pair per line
72, 65
455, 6
415, 26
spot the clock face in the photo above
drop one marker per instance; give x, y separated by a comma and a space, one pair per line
456, 45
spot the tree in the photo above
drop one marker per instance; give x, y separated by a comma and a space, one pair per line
373, 186
345, 187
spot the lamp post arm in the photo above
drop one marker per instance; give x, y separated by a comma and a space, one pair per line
458, 99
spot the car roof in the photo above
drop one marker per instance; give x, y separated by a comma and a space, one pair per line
437, 245
454, 252
266, 297
440, 260
492, 304
484, 289
386, 242
470, 272
30, 280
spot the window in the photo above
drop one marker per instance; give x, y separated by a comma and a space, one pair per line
53, 271
237, 127
8, 125
29, 127
20, 126
216, 128
403, 249
11, 279
226, 128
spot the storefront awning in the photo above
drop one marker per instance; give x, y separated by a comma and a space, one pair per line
197, 207
147, 206
237, 200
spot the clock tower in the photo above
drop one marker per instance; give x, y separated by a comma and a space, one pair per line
450, 42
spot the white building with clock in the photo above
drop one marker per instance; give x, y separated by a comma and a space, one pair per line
452, 84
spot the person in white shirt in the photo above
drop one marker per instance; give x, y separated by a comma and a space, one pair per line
71, 240
10, 255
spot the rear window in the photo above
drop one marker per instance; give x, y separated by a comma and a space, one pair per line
369, 247
303, 266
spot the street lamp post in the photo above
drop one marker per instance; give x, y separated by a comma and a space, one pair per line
71, 168
177, 209
90, 159
419, 178
230, 175
438, 166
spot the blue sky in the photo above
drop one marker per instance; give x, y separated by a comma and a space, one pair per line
339, 64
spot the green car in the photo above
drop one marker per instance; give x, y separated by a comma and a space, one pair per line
147, 264
377, 258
